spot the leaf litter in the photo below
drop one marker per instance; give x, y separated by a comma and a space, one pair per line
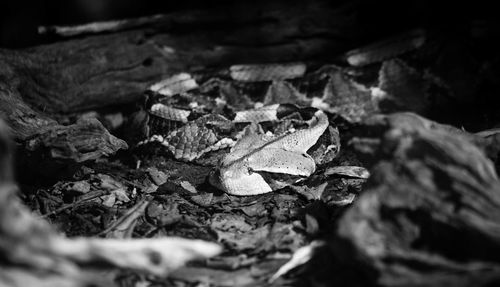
163, 197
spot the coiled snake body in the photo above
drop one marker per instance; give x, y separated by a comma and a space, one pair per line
272, 115
256, 110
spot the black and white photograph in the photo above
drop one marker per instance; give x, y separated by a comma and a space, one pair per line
220, 143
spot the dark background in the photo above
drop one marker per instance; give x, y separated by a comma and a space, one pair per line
19, 19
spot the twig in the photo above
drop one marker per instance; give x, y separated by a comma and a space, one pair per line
100, 27
129, 217
74, 204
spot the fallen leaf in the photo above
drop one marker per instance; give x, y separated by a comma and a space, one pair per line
188, 186
203, 199
299, 258
230, 223
81, 186
284, 92
349, 171
254, 210
347, 98
108, 200
109, 183
311, 193
158, 177
121, 195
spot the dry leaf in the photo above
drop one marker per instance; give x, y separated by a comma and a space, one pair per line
349, 171
300, 257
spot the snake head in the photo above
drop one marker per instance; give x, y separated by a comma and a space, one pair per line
243, 171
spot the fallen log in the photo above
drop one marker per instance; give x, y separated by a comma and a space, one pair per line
40, 84
33, 128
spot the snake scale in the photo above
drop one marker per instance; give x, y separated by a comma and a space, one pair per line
192, 119
262, 112
270, 117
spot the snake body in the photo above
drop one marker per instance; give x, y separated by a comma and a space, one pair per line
272, 116
189, 132
195, 138
191, 129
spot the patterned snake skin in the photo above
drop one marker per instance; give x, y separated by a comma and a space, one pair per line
192, 115
275, 118
189, 121
193, 139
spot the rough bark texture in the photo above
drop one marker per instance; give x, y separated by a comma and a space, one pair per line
102, 70
430, 214
30, 121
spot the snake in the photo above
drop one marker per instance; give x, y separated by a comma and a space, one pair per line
193, 115
260, 113
272, 120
